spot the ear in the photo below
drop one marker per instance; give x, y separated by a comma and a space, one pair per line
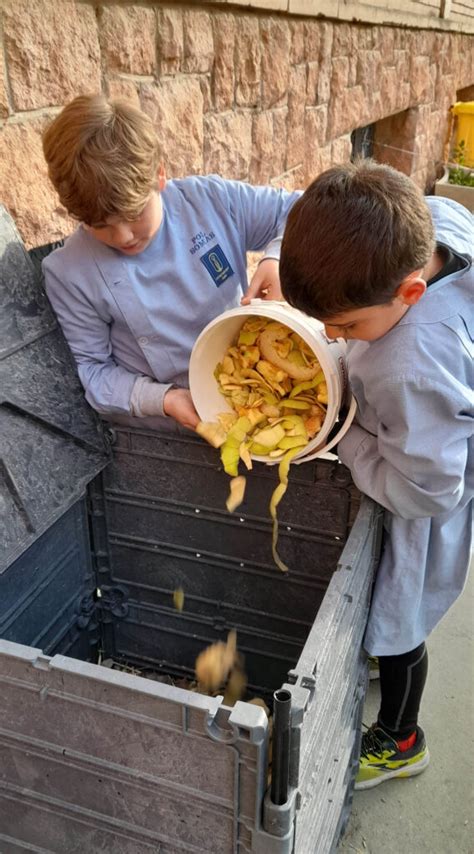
161, 176
411, 289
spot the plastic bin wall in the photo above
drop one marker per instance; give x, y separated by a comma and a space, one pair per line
51, 445
94, 759
168, 527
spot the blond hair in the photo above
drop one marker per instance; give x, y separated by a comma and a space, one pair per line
102, 158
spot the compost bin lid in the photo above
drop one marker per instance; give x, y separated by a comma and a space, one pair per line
51, 442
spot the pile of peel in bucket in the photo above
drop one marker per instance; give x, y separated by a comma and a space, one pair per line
277, 392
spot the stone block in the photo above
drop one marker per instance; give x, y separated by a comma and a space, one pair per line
352, 75
399, 130
228, 144
205, 84
247, 63
170, 39
292, 179
385, 40
369, 70
341, 150
389, 89
315, 127
27, 192
312, 78
123, 89
402, 160
128, 38
296, 111
276, 42
317, 161
324, 81
260, 170
175, 106
342, 42
297, 51
198, 42
269, 131
421, 80
339, 76
312, 40
326, 38
4, 102
52, 52
347, 111
280, 134
402, 64
223, 76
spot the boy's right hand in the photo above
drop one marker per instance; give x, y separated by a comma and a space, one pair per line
178, 404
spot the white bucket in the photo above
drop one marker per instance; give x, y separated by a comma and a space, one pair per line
221, 333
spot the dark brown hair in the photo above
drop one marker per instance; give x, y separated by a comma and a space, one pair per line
352, 237
102, 158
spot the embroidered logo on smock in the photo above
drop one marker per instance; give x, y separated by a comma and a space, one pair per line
217, 265
200, 239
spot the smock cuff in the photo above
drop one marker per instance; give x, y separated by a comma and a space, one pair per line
147, 397
349, 445
272, 250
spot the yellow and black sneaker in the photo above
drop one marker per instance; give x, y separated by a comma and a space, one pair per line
382, 758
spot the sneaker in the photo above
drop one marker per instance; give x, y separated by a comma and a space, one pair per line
374, 671
381, 759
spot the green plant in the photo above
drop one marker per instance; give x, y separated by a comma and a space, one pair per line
461, 174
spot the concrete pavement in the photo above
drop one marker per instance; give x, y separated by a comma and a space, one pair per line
434, 812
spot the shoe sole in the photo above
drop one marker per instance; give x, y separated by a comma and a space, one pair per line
399, 773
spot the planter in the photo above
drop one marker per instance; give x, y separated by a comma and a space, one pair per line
457, 192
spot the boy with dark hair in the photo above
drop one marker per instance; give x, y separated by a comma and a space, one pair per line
389, 270
151, 262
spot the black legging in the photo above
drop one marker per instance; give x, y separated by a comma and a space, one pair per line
402, 679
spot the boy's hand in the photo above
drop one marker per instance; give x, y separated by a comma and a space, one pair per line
265, 282
178, 404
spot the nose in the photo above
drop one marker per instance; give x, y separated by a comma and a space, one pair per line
123, 233
332, 332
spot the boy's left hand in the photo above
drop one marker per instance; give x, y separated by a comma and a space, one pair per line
265, 282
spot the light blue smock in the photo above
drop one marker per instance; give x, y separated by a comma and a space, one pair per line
411, 448
130, 316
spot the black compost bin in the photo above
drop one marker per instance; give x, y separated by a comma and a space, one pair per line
100, 528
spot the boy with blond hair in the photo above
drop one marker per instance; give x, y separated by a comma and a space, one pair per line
151, 263
391, 271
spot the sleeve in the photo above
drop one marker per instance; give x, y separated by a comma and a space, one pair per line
108, 386
260, 214
415, 465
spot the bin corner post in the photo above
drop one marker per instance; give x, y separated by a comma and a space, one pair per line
277, 834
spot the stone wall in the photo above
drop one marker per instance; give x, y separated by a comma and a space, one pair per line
253, 95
